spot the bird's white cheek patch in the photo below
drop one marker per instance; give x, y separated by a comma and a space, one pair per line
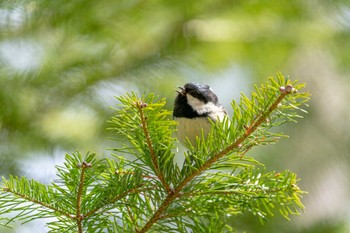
203, 108
195, 103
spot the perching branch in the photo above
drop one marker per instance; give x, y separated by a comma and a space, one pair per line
249, 131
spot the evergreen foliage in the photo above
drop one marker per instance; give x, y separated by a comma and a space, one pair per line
144, 190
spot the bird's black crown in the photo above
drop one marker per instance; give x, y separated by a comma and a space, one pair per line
201, 92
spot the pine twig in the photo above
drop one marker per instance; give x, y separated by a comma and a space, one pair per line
140, 106
79, 217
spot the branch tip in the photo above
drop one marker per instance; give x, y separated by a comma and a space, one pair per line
288, 89
282, 89
140, 104
84, 164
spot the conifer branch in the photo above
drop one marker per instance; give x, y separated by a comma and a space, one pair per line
249, 131
138, 192
140, 106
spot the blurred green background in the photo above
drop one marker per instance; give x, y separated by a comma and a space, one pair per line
61, 63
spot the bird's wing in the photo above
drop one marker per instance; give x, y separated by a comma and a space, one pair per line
218, 114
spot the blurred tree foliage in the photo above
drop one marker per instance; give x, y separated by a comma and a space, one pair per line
61, 61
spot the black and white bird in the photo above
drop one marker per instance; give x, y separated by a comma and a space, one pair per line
194, 105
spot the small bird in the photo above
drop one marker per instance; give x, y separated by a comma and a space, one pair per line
194, 105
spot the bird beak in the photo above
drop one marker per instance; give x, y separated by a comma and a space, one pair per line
181, 91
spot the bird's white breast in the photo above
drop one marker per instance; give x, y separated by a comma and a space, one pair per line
192, 128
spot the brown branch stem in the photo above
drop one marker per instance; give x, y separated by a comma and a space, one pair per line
144, 125
78, 217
